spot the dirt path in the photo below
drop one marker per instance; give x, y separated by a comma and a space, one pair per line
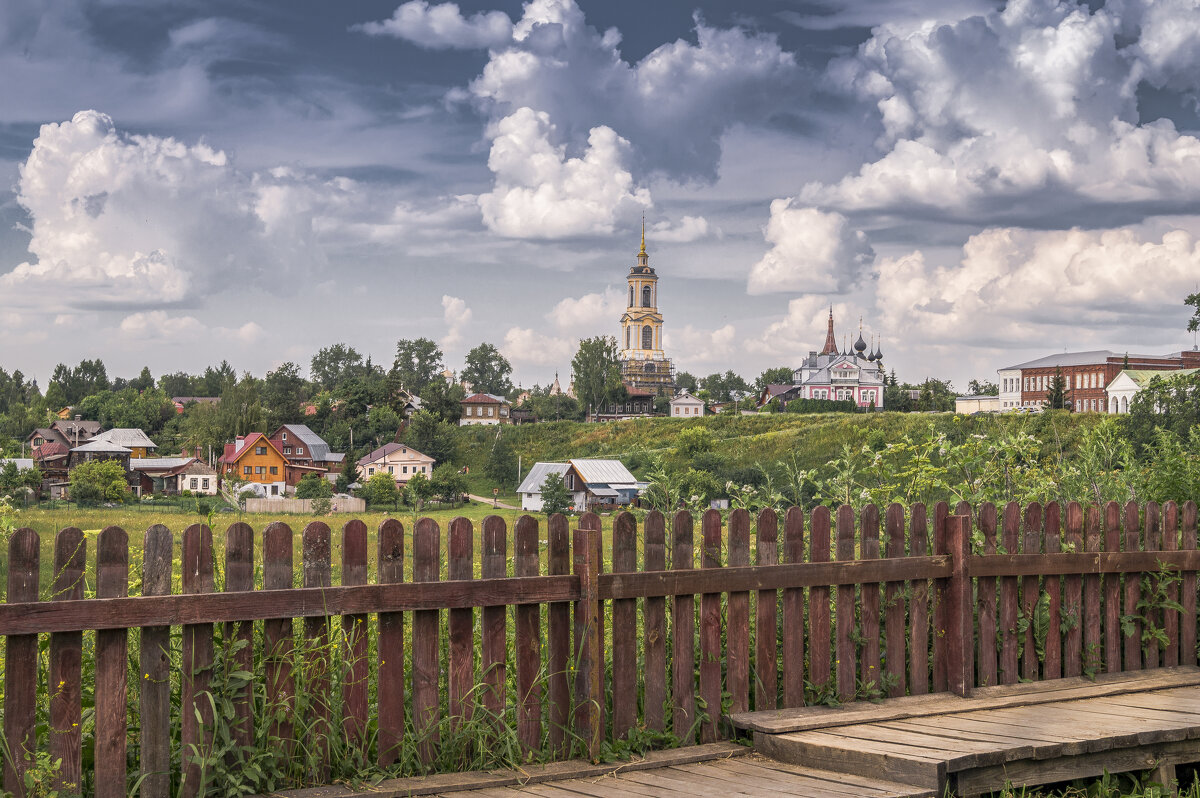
488, 500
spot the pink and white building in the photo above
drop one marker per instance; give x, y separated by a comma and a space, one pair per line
855, 374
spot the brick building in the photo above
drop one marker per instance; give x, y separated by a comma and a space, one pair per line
1087, 374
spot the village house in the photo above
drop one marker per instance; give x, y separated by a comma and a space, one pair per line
70, 433
530, 489
638, 403
136, 441
306, 452
684, 405
1086, 377
53, 460
100, 450
397, 459
254, 459
485, 408
173, 475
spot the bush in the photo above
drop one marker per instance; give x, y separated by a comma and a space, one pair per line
99, 481
380, 489
321, 506
313, 486
555, 497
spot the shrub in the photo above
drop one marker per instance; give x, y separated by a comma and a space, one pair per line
99, 481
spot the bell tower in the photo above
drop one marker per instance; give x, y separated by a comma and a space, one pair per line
643, 362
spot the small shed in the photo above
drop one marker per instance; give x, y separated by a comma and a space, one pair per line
530, 488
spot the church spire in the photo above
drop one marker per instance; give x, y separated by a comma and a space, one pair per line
830, 347
642, 251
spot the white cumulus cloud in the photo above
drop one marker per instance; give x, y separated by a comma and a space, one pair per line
124, 220
591, 312
457, 315
524, 346
442, 26
811, 250
541, 192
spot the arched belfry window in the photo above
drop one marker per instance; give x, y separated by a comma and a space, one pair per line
628, 330
645, 296
647, 337
631, 296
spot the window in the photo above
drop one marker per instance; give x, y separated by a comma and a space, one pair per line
204, 483
630, 298
645, 296
390, 471
287, 449
284, 436
628, 330
260, 449
403, 469
194, 483
371, 472
274, 490
260, 469
504, 412
647, 337
491, 412
275, 470
246, 470
299, 450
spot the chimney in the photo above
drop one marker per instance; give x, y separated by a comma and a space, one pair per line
78, 417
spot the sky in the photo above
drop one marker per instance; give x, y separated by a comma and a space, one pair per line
981, 183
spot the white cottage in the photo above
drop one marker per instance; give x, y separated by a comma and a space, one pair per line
685, 405
530, 488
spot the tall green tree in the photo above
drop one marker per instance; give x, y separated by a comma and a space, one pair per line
1058, 396
779, 375
217, 380
1193, 301
487, 371
335, 364
983, 388
685, 381
98, 481
596, 371
428, 435
282, 392
443, 400
555, 496
417, 364
501, 464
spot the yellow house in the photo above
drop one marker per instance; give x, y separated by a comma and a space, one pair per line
255, 459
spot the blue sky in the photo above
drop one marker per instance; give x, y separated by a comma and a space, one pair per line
980, 182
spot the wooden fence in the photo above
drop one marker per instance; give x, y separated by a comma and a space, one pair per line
305, 506
817, 606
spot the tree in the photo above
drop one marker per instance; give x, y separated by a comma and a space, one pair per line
143, 381
428, 435
723, 386
418, 490
1193, 301
1058, 397
99, 481
443, 400
685, 382
982, 388
349, 473
780, 375
381, 489
501, 465
596, 370
335, 364
487, 371
178, 384
217, 380
313, 486
448, 484
417, 364
282, 392
555, 497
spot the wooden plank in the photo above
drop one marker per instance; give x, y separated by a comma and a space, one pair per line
528, 652
356, 680
1031, 543
1053, 663
654, 626
792, 653
710, 630
845, 605
1009, 541
737, 630
239, 578
986, 592
389, 688
870, 670
592, 522
493, 662
839, 783
317, 554
965, 509
941, 512
277, 638
816, 752
21, 663
460, 678
112, 580
154, 689
766, 622
1112, 591
196, 712
558, 622
918, 606
624, 630
894, 625
1151, 541
1093, 542
1130, 531
1170, 619
427, 544
1187, 632
987, 698
66, 651
1073, 595
589, 725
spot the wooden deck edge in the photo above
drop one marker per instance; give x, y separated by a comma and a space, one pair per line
555, 771
782, 721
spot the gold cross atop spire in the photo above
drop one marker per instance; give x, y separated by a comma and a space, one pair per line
642, 251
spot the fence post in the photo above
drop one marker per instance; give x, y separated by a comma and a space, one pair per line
589, 695
958, 613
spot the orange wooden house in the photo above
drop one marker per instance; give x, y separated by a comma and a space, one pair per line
254, 458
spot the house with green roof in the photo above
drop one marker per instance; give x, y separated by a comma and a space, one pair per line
1128, 382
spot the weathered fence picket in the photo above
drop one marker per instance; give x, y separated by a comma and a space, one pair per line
1044, 595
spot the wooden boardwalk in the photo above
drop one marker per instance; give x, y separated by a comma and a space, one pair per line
1023, 734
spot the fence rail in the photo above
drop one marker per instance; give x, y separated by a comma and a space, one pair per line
533, 629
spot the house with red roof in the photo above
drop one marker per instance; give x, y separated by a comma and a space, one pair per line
254, 459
